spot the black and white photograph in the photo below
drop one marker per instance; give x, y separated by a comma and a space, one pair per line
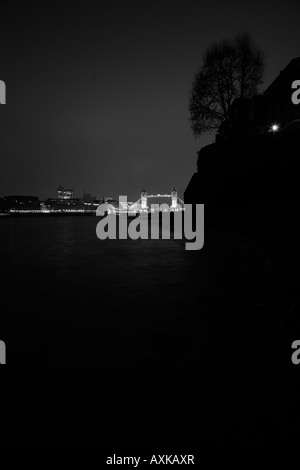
149, 233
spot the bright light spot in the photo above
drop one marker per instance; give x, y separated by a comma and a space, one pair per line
275, 127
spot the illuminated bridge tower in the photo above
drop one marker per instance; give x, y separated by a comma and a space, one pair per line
144, 200
174, 199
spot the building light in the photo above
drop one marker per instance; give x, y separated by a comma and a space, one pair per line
274, 127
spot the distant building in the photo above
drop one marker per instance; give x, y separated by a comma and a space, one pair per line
63, 193
106, 199
88, 198
91, 206
110, 200
22, 203
90, 202
113, 204
63, 204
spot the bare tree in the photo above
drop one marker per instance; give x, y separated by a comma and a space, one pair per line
231, 69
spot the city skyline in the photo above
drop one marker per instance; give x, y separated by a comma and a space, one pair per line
84, 193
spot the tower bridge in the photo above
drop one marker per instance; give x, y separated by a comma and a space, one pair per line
142, 205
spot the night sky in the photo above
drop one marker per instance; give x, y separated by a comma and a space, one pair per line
97, 92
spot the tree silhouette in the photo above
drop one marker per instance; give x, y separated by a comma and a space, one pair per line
231, 69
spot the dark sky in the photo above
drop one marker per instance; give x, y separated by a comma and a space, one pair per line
97, 92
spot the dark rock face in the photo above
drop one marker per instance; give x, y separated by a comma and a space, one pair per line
250, 182
249, 164
256, 169
250, 174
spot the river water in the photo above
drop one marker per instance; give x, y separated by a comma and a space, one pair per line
116, 333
